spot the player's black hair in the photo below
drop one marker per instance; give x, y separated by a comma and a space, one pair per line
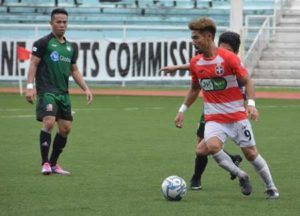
231, 38
58, 11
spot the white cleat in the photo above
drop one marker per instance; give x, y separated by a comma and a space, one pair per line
46, 169
58, 170
272, 194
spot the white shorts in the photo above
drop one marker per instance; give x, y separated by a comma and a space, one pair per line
240, 132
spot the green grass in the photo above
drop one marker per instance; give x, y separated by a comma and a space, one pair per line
277, 89
147, 86
121, 148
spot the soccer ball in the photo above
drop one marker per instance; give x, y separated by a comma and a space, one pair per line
174, 188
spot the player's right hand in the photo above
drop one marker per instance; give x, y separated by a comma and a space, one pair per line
30, 95
179, 120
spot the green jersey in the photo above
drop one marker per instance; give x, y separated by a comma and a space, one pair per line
55, 66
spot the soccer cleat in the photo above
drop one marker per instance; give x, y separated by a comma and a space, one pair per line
46, 169
237, 160
272, 194
195, 184
58, 170
246, 187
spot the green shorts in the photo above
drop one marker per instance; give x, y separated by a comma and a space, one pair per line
50, 104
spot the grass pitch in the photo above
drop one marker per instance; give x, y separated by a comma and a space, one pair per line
121, 148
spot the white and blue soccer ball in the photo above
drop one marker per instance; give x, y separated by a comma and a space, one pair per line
174, 188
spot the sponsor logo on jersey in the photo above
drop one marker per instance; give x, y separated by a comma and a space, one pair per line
56, 57
54, 45
214, 84
65, 59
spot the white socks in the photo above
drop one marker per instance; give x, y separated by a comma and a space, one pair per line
226, 163
260, 165
263, 170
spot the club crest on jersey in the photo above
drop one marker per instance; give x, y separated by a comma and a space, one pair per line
219, 70
69, 48
49, 107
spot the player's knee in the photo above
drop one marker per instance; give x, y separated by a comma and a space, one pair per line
48, 123
214, 149
64, 131
214, 145
250, 153
201, 149
251, 157
201, 152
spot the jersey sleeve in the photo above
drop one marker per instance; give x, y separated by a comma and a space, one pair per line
193, 71
75, 53
39, 47
237, 66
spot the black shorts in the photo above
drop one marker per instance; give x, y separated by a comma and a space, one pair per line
200, 130
50, 104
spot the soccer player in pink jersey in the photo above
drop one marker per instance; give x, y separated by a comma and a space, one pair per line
217, 71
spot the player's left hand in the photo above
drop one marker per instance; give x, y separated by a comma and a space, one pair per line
252, 113
179, 120
30, 95
89, 96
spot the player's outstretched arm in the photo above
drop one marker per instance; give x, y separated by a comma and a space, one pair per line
30, 94
174, 68
80, 81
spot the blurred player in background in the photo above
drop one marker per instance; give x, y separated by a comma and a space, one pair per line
227, 40
53, 61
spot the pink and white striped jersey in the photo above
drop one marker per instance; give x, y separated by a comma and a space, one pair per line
217, 76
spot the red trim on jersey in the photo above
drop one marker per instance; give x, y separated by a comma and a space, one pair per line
226, 118
225, 96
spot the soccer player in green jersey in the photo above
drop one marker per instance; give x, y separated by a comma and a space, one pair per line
53, 61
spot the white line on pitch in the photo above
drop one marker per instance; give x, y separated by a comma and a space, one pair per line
18, 116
